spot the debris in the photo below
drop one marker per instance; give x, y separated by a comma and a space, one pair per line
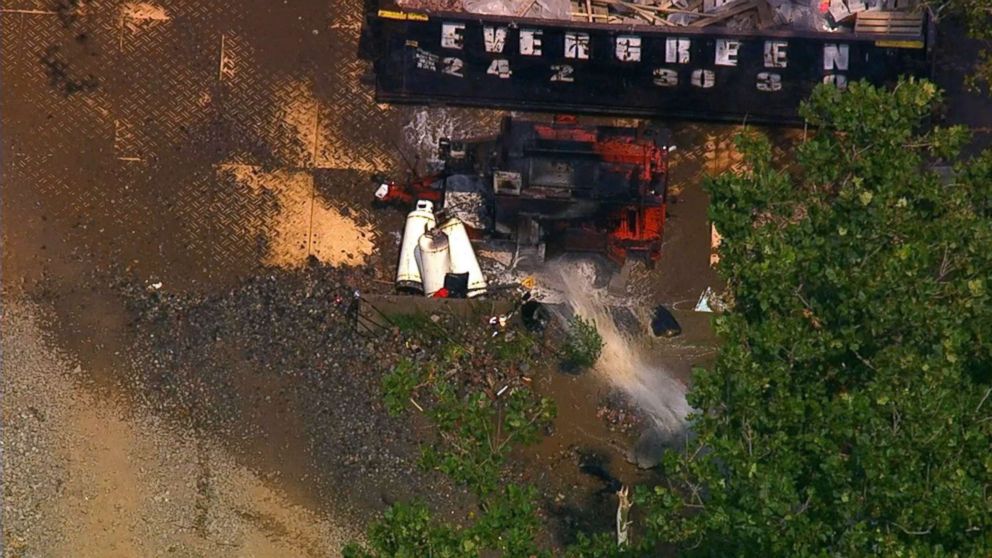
738, 15
664, 323
534, 315
704, 301
541, 9
715, 240
624, 504
456, 284
592, 188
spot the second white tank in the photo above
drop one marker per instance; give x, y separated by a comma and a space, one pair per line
462, 255
433, 255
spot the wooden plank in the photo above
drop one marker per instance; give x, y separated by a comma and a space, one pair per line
643, 11
889, 23
526, 8
765, 17
739, 7
648, 7
889, 16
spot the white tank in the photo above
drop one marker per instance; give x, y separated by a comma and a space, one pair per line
433, 257
463, 258
419, 221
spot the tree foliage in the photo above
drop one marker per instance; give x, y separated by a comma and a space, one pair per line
583, 344
976, 17
475, 432
848, 411
509, 525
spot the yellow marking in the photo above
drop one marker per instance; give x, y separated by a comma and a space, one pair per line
528, 282
899, 44
394, 14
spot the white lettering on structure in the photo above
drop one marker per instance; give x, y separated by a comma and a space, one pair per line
677, 50
628, 48
451, 35
769, 81
836, 57
726, 52
494, 38
703, 78
530, 42
577, 45
664, 77
776, 54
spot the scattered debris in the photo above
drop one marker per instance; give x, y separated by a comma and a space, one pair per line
848, 16
583, 188
704, 301
624, 503
618, 413
664, 323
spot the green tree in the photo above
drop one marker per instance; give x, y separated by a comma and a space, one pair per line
976, 16
475, 433
848, 412
583, 344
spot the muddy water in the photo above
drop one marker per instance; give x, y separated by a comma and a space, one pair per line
624, 362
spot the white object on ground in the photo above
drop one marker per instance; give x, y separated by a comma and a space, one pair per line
418, 222
704, 301
433, 257
462, 255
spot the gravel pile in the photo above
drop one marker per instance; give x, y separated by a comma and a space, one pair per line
275, 369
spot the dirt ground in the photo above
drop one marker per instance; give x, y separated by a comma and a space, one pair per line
88, 476
175, 377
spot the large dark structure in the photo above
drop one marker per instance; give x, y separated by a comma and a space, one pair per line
642, 70
581, 188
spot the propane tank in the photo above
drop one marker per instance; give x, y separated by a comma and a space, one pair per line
463, 258
433, 257
418, 221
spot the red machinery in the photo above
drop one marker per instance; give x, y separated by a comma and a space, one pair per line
583, 188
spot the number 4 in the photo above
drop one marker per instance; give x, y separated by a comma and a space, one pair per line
500, 67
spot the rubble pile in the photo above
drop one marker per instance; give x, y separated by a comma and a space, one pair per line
275, 367
619, 414
491, 355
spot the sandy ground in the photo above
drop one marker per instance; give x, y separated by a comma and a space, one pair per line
83, 477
